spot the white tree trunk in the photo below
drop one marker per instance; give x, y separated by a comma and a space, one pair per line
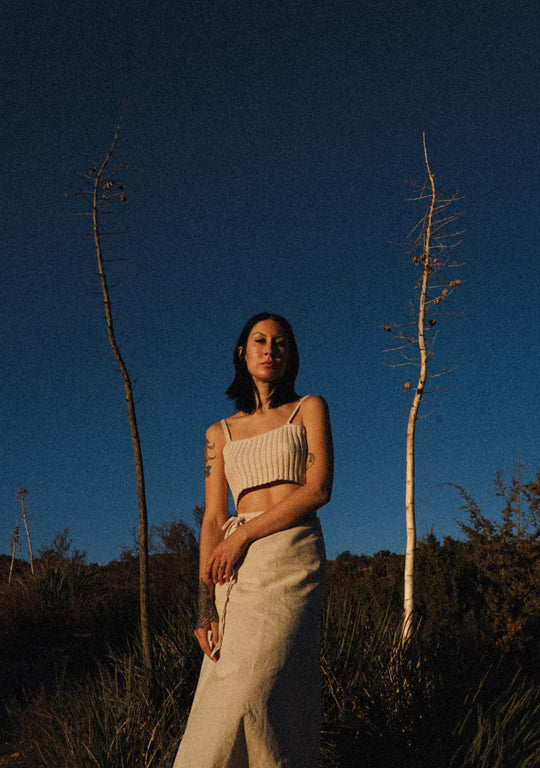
410, 511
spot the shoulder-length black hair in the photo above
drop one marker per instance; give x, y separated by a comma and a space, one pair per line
243, 390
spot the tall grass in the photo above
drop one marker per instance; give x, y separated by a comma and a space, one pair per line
434, 704
502, 734
111, 719
430, 705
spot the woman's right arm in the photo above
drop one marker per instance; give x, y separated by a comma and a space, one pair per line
215, 515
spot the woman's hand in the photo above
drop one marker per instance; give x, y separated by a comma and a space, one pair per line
202, 634
222, 561
207, 620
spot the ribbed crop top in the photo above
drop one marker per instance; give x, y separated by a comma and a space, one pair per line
274, 456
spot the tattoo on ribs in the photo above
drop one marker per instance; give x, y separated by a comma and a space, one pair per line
208, 446
310, 461
206, 609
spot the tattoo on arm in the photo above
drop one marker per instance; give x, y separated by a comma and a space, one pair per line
310, 461
206, 610
208, 447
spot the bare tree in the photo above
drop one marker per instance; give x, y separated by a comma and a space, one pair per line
430, 244
22, 493
518, 495
104, 192
15, 543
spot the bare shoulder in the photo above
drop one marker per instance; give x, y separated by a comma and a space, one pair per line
238, 416
215, 434
315, 407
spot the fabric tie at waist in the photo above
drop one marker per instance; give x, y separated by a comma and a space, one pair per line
230, 527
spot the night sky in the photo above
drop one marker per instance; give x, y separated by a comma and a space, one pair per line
267, 147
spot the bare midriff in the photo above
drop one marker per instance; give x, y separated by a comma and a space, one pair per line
260, 499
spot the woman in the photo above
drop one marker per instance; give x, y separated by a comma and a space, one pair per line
261, 572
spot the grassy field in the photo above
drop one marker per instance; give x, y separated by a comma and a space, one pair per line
79, 702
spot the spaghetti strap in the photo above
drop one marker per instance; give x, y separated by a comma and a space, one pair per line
293, 414
226, 429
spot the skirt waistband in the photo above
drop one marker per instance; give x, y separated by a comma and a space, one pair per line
237, 520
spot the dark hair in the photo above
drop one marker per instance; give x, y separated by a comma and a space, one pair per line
242, 390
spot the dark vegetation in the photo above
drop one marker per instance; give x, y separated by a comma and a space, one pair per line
463, 693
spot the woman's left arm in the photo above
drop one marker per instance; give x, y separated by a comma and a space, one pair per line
301, 503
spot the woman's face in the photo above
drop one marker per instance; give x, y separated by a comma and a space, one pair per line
267, 351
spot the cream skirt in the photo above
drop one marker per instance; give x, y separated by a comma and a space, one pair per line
259, 705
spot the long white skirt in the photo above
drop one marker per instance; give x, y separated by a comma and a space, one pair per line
259, 705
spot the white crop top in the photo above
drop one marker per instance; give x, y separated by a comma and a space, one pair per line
274, 456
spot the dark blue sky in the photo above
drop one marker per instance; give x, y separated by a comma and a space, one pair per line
267, 145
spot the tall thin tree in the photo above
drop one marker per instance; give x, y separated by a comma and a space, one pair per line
104, 191
15, 543
22, 493
430, 244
